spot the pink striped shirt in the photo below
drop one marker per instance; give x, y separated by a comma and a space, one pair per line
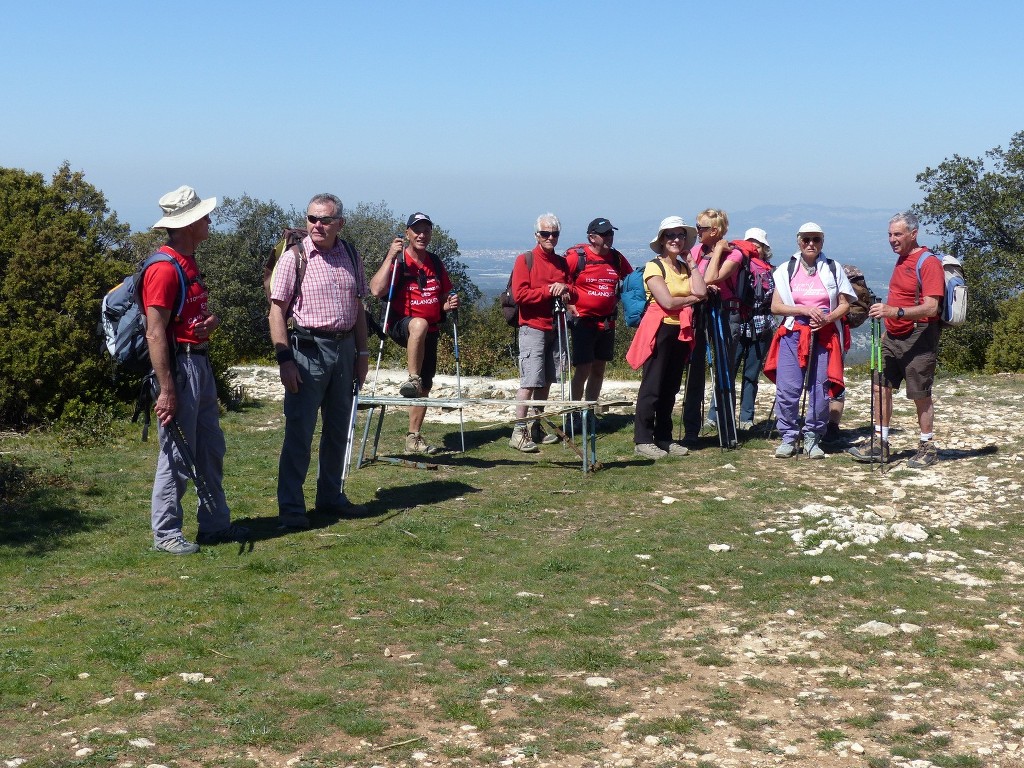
334, 284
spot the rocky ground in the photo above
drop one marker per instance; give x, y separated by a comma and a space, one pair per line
790, 693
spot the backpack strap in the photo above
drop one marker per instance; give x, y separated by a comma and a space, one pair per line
920, 285
183, 281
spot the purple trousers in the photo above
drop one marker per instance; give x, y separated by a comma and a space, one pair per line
789, 383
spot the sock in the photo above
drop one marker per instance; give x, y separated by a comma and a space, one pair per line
885, 434
925, 437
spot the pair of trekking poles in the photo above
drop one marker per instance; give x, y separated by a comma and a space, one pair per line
875, 367
716, 334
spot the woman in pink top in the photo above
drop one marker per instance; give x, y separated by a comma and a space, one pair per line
812, 293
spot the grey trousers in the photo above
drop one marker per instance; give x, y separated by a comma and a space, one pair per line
327, 368
199, 417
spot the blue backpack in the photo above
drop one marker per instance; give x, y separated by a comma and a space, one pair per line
953, 310
123, 321
634, 295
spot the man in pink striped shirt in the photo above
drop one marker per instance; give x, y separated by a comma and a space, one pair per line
323, 357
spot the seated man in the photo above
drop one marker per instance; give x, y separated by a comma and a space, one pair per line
421, 294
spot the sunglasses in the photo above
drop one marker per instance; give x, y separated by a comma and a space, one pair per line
674, 236
545, 234
808, 240
325, 220
701, 230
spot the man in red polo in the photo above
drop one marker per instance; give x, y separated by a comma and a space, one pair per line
592, 326
911, 342
421, 295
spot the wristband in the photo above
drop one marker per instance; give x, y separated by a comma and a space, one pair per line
363, 353
284, 356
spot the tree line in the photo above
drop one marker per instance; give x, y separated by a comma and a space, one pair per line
62, 249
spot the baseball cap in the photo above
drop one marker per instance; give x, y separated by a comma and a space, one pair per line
418, 216
600, 227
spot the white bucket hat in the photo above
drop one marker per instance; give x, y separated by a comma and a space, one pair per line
183, 207
674, 222
758, 234
810, 228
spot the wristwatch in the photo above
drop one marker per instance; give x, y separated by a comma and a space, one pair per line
900, 313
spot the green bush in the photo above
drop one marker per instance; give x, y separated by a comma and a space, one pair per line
1006, 352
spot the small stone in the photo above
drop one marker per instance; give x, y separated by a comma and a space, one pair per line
140, 695
857, 748
83, 675
142, 743
651, 741
876, 629
192, 677
909, 629
502, 663
599, 682
719, 547
84, 752
102, 702
668, 499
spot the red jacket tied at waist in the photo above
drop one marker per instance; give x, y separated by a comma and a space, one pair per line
643, 341
835, 382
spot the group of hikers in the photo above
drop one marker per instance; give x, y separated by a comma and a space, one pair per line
695, 294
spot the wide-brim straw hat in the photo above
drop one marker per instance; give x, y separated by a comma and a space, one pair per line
183, 207
674, 222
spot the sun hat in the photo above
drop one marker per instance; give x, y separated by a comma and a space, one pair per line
183, 207
674, 222
418, 216
810, 228
758, 234
600, 226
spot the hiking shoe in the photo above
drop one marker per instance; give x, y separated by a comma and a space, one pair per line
521, 441
540, 437
179, 545
414, 443
691, 441
927, 454
343, 508
746, 426
711, 424
673, 449
832, 434
412, 388
293, 522
811, 447
233, 532
650, 451
785, 451
868, 453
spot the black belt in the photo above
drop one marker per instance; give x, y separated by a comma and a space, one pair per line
188, 348
319, 334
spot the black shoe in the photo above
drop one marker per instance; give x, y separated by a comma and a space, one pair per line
345, 509
233, 533
832, 434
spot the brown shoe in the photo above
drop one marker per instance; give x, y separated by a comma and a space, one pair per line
876, 451
927, 454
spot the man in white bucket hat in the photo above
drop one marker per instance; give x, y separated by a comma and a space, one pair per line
178, 336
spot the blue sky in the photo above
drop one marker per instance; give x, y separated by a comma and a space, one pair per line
485, 115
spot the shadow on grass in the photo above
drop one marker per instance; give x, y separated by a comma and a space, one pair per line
388, 503
34, 514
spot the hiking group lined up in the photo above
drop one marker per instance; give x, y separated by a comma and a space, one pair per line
703, 302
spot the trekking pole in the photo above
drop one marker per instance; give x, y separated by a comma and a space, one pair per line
876, 375
805, 388
561, 333
728, 401
351, 432
387, 314
202, 489
458, 371
710, 358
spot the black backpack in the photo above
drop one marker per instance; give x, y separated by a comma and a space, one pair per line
509, 308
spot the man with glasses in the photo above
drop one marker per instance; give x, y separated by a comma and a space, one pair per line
595, 271
540, 286
420, 294
179, 349
323, 358
910, 345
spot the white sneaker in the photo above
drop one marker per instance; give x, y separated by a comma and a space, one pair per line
673, 449
650, 451
521, 441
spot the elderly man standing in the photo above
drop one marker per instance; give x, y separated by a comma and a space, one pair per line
910, 344
421, 292
540, 286
323, 358
595, 271
179, 351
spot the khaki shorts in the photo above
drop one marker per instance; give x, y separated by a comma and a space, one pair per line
537, 352
911, 358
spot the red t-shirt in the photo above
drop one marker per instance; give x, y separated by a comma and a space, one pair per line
531, 287
598, 282
904, 290
160, 287
419, 290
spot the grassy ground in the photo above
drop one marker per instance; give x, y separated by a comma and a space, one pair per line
506, 608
